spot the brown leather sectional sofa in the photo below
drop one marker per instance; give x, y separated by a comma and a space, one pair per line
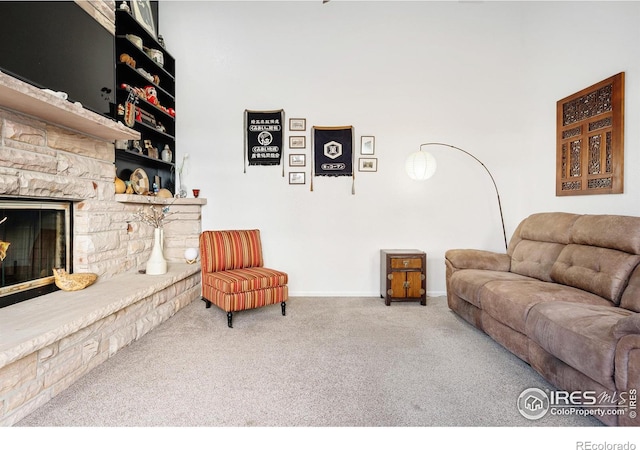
565, 298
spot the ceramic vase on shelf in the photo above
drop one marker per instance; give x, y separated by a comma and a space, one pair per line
157, 265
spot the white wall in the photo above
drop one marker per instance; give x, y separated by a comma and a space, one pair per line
483, 76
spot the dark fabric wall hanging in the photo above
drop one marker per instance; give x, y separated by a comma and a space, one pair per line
263, 137
333, 153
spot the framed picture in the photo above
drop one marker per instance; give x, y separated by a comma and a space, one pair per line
142, 12
297, 141
297, 160
296, 177
368, 164
297, 124
367, 145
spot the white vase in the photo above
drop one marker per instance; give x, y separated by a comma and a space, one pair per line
157, 265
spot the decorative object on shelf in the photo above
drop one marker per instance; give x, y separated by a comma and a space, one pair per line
422, 165
120, 186
129, 189
263, 138
191, 255
135, 40
332, 149
155, 216
140, 181
137, 147
164, 193
73, 281
152, 95
167, 154
161, 40
156, 264
143, 14
125, 7
181, 188
196, 193
128, 60
156, 55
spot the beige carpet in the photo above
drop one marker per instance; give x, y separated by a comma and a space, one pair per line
336, 362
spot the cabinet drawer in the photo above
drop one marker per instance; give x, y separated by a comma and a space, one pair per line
406, 263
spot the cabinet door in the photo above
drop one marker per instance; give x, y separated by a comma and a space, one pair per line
398, 284
414, 284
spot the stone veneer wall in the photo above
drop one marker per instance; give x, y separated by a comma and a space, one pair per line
61, 336
48, 343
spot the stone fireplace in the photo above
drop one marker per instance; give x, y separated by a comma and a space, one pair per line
52, 150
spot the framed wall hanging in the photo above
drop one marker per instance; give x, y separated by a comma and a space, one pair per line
367, 145
297, 141
297, 124
297, 160
296, 177
590, 140
368, 164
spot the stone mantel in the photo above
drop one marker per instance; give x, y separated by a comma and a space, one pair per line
27, 99
149, 199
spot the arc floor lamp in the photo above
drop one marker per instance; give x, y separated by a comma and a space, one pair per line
421, 165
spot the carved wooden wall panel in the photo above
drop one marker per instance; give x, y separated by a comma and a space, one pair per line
590, 140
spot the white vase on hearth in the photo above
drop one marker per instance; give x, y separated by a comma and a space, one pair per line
157, 265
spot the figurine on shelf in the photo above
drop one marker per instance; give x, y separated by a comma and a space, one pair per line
137, 147
124, 7
152, 95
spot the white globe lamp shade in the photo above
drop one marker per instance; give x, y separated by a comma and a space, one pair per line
191, 255
420, 165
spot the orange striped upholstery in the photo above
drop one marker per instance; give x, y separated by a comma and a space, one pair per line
233, 275
245, 300
227, 250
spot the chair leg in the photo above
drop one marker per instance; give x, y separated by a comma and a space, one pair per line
207, 302
284, 308
229, 319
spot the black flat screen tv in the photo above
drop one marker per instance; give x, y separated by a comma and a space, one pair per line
57, 45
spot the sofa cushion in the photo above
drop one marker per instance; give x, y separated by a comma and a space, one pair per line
466, 284
579, 335
631, 296
601, 271
535, 259
609, 231
510, 302
243, 280
228, 250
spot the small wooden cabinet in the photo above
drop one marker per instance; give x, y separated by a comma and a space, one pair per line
403, 276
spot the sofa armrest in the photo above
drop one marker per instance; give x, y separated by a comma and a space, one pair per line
627, 325
477, 259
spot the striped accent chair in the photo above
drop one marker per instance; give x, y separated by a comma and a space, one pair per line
233, 274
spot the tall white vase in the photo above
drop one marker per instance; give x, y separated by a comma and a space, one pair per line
157, 265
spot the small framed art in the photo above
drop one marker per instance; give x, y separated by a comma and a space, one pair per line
297, 124
297, 141
142, 13
296, 177
367, 145
297, 160
368, 164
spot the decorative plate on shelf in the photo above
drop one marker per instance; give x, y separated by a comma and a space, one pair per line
140, 181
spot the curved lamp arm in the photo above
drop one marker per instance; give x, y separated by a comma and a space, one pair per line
504, 233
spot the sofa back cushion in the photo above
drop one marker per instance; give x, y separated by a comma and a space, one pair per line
537, 242
617, 232
601, 271
631, 298
535, 259
228, 250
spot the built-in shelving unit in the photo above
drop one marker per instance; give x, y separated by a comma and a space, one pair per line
139, 71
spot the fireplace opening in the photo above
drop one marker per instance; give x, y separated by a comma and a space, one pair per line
35, 238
